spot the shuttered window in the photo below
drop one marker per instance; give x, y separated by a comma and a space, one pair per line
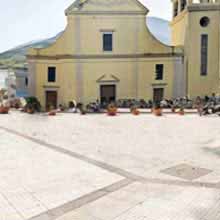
159, 71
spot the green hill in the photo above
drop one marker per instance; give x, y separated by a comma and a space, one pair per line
16, 56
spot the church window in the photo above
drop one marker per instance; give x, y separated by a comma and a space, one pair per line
159, 72
107, 42
51, 74
204, 21
204, 54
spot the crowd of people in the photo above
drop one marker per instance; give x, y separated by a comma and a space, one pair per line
204, 105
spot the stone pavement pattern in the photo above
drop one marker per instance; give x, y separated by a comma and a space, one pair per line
96, 167
34, 179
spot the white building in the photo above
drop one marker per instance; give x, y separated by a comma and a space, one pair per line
15, 82
21, 75
3, 77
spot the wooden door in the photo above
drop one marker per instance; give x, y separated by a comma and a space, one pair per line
108, 94
51, 100
158, 94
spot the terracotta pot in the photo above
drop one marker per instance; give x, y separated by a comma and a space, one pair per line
112, 111
30, 111
136, 112
4, 110
158, 112
52, 113
181, 112
173, 110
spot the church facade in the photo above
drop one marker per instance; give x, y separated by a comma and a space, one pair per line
107, 53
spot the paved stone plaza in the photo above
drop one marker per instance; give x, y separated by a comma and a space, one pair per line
94, 167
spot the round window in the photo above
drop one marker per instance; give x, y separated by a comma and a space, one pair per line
204, 21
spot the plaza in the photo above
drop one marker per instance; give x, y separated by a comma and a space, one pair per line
95, 167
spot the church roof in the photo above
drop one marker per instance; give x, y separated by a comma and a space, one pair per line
106, 6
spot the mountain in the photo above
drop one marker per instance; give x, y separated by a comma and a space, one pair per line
16, 56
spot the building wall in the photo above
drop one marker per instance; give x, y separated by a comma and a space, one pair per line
82, 65
3, 76
187, 31
103, 72
65, 83
83, 36
197, 84
21, 80
179, 27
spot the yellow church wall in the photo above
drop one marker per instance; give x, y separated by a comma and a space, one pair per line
197, 84
109, 70
147, 82
187, 31
95, 73
179, 27
82, 65
62, 44
135, 37
65, 84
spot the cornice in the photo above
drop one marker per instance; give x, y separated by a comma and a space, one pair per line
51, 86
104, 56
107, 13
159, 84
204, 7
195, 8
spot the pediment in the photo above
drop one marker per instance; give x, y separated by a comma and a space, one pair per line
106, 6
107, 79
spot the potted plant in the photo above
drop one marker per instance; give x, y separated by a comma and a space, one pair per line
181, 111
32, 105
112, 110
157, 110
30, 108
134, 110
52, 113
173, 109
4, 109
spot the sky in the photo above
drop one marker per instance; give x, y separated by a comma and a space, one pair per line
22, 21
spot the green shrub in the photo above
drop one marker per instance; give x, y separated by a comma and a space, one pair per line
33, 103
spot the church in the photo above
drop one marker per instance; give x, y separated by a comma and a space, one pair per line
107, 53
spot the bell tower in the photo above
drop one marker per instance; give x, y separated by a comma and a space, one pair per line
179, 21
195, 27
